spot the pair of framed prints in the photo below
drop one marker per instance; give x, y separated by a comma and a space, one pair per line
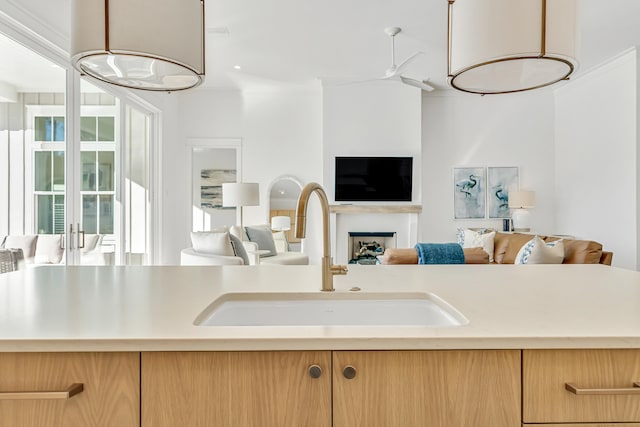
483, 192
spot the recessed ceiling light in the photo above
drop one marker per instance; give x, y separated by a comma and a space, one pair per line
237, 67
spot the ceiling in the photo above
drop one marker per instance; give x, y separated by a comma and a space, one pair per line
292, 42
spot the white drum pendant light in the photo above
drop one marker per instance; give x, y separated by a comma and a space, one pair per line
141, 44
504, 46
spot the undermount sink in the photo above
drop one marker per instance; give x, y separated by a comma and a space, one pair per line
330, 309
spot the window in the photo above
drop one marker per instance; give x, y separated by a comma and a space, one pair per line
98, 191
49, 191
49, 129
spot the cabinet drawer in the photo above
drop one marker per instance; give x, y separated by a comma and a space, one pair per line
110, 393
603, 380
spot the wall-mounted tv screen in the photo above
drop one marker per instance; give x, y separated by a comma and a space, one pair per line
373, 179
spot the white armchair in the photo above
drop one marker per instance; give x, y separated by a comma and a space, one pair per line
189, 256
218, 247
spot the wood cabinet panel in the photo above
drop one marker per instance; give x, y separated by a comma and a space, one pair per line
427, 388
545, 373
584, 425
111, 395
235, 389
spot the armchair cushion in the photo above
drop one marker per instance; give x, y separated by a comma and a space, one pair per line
239, 249
25, 242
215, 243
262, 235
49, 249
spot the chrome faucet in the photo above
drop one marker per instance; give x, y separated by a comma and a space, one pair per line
328, 269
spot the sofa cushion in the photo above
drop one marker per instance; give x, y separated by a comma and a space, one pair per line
262, 235
477, 239
399, 256
507, 246
475, 256
537, 251
211, 242
239, 249
582, 252
48, 249
27, 243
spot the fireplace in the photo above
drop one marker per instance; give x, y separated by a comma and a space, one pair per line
365, 247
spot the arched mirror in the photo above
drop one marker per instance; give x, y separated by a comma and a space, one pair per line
283, 198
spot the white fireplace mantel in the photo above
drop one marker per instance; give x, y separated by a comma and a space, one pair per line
401, 219
379, 209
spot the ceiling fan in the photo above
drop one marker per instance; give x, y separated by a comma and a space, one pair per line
394, 72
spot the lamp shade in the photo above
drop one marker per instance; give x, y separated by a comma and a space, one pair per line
140, 44
505, 46
522, 199
236, 194
281, 223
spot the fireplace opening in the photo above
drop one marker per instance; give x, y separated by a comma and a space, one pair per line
365, 247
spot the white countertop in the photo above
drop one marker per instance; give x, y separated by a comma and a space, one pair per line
153, 308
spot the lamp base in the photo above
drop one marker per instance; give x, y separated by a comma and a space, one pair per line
521, 220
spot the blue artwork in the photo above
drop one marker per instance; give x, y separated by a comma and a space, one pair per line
469, 193
500, 181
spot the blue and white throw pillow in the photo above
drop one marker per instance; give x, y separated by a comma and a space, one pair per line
537, 251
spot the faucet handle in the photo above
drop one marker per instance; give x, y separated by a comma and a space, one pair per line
339, 270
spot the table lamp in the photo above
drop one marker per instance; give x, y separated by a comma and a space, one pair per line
519, 202
239, 194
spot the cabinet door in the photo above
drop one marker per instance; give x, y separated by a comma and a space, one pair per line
235, 389
426, 388
110, 396
604, 380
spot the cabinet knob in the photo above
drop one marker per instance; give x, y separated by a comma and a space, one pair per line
315, 371
349, 372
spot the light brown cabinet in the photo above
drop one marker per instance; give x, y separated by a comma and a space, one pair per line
426, 388
236, 389
390, 388
600, 386
34, 387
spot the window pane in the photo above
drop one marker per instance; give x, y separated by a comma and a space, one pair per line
105, 170
58, 214
58, 129
106, 129
58, 171
106, 214
90, 213
87, 128
44, 217
42, 172
88, 160
43, 129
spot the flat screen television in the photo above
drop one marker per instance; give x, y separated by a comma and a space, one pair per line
373, 179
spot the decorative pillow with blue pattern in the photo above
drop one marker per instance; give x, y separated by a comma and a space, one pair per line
537, 251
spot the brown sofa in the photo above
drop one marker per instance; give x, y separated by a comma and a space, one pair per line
506, 247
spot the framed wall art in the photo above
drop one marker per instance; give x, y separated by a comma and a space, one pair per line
469, 199
500, 181
211, 181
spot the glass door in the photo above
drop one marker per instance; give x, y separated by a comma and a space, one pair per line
75, 163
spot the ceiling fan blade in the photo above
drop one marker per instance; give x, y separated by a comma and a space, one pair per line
406, 62
416, 83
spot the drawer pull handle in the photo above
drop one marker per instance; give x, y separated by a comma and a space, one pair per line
68, 393
628, 390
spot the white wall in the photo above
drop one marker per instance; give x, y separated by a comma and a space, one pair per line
480, 131
596, 158
371, 119
281, 135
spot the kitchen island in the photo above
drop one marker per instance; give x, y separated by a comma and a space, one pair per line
154, 308
127, 336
